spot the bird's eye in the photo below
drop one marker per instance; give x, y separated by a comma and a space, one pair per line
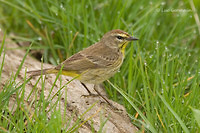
119, 37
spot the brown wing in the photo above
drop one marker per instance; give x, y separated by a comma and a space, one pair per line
101, 54
95, 56
78, 62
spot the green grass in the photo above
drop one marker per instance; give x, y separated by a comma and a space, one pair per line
159, 82
20, 117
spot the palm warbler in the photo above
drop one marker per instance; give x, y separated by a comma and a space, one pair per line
96, 63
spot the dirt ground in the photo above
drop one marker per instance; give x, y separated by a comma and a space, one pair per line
118, 120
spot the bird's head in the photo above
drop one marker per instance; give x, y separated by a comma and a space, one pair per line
117, 39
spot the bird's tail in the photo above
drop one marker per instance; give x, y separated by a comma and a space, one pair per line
41, 72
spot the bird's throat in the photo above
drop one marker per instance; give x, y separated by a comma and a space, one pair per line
123, 46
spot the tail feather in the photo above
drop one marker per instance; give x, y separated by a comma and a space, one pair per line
39, 72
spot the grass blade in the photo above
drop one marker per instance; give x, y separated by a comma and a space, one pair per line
174, 113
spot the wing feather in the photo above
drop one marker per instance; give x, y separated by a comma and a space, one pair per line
95, 56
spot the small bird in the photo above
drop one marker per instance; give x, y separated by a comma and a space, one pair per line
96, 63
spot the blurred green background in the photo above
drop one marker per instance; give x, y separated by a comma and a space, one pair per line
159, 79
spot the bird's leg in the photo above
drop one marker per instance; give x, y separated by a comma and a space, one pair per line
98, 94
113, 107
90, 93
86, 88
101, 95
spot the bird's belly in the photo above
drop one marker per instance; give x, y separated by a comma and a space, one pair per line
97, 76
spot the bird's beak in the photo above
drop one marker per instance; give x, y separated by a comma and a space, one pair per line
132, 38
